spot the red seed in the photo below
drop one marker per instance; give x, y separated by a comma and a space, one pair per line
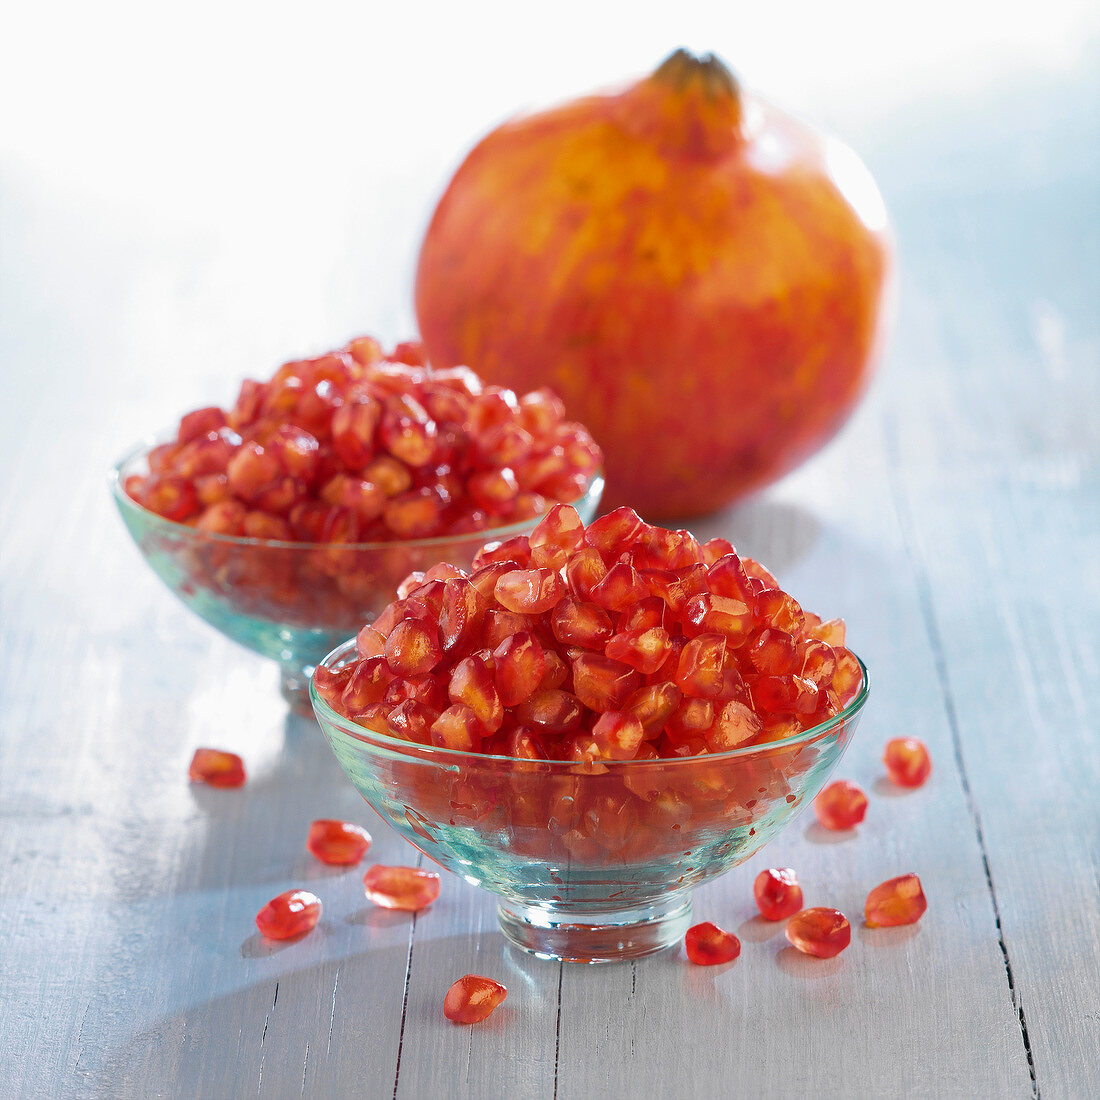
405, 888
585, 569
841, 805
897, 901
821, 932
520, 664
552, 710
620, 589
644, 650
699, 670
337, 842
458, 728
618, 733
216, 768
556, 537
472, 999
735, 724
472, 684
654, 704
777, 892
582, 624
614, 533
601, 683
413, 648
706, 612
773, 652
707, 945
848, 676
907, 761
288, 915
530, 591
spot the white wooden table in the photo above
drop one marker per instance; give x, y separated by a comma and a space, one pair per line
955, 524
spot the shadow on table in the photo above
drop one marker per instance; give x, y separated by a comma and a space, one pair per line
320, 1030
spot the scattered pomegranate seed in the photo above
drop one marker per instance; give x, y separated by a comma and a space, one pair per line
288, 915
401, 887
821, 932
907, 761
897, 901
472, 999
707, 945
337, 842
777, 892
841, 805
216, 768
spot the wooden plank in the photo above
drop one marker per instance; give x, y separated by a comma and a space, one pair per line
1007, 543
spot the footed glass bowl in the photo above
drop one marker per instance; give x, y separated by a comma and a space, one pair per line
592, 863
291, 601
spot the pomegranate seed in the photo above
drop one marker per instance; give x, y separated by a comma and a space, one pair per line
405, 888
907, 761
472, 999
841, 805
173, 498
716, 549
654, 704
216, 768
735, 725
337, 842
556, 537
848, 676
777, 893
519, 666
707, 613
553, 710
582, 624
472, 684
644, 650
601, 683
773, 652
584, 571
707, 945
820, 932
530, 591
288, 915
620, 589
458, 728
618, 733
412, 648
897, 901
699, 671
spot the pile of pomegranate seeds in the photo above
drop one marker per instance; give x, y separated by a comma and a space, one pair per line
777, 893
472, 999
707, 945
358, 446
841, 805
338, 843
616, 642
897, 901
401, 887
907, 761
216, 768
820, 932
288, 915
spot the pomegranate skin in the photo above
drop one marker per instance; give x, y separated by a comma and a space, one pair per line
700, 277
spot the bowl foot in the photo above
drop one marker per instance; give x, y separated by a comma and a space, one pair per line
596, 937
294, 685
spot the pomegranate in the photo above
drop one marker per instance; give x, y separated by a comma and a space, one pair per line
699, 276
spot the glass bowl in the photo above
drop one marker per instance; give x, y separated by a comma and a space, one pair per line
592, 862
291, 601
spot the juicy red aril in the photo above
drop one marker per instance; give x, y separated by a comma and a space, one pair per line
585, 569
530, 591
601, 683
821, 932
472, 999
896, 901
841, 805
699, 671
413, 649
614, 533
618, 733
556, 537
216, 768
644, 650
457, 728
735, 724
519, 666
777, 893
907, 761
707, 945
472, 684
405, 888
288, 915
773, 652
620, 589
337, 842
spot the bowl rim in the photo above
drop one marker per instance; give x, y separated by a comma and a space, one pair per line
397, 748
490, 534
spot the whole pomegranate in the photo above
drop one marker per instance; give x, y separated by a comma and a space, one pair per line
698, 275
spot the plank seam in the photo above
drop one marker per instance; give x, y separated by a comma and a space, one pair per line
931, 625
405, 992
557, 1031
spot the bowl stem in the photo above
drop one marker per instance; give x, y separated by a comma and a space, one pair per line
596, 937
